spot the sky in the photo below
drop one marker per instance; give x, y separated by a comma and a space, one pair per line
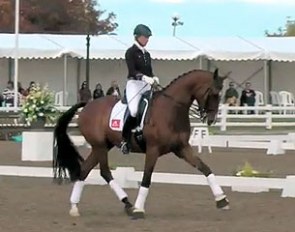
204, 18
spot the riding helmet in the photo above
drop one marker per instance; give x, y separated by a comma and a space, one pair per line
142, 30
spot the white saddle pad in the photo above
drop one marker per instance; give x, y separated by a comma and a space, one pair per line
116, 122
117, 116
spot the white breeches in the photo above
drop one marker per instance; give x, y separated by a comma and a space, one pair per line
134, 91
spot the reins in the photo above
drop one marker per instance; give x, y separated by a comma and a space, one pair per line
200, 110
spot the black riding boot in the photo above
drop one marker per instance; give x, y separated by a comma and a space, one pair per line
126, 134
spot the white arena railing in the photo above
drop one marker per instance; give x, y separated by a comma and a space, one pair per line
267, 116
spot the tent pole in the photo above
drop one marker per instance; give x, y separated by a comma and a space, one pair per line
201, 62
16, 32
266, 68
64, 103
78, 77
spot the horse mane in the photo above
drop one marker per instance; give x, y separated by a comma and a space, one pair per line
179, 77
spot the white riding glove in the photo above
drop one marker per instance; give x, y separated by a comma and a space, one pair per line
156, 79
148, 80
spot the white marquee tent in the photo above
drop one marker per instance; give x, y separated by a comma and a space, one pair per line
59, 59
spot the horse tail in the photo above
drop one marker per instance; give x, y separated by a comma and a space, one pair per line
65, 155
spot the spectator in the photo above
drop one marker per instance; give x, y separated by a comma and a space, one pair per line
231, 95
98, 92
8, 94
114, 90
21, 90
31, 86
84, 93
248, 97
1, 100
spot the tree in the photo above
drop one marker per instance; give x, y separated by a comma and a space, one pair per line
288, 30
57, 16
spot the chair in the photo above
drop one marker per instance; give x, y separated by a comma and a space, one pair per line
193, 112
287, 99
59, 96
275, 98
259, 101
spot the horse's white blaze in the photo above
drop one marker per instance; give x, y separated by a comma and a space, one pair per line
216, 189
121, 194
141, 198
77, 192
74, 211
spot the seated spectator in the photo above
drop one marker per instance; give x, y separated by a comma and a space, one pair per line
98, 92
248, 96
31, 86
21, 90
114, 90
84, 93
231, 95
1, 100
8, 94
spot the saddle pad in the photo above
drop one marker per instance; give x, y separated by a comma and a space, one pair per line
117, 116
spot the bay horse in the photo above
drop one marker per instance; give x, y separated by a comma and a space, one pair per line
166, 130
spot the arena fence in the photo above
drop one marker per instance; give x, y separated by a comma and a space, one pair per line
127, 177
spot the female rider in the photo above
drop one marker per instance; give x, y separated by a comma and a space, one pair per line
140, 79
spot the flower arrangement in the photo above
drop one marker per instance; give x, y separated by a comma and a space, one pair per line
39, 105
249, 171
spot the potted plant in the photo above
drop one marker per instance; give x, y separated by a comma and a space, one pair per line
38, 107
248, 171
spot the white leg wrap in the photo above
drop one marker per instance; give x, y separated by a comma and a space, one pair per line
216, 189
77, 192
121, 194
141, 197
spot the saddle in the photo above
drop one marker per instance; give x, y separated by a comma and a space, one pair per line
120, 112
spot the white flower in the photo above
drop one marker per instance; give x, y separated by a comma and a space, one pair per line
41, 114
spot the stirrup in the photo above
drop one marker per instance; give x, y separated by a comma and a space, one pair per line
124, 148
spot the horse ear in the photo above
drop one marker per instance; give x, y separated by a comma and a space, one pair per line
215, 75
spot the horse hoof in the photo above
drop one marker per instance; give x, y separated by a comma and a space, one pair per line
129, 210
223, 204
74, 212
137, 214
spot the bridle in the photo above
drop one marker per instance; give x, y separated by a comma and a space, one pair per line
201, 110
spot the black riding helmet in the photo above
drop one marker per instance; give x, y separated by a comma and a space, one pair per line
142, 30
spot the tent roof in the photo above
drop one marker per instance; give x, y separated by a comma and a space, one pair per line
229, 48
40, 46
277, 49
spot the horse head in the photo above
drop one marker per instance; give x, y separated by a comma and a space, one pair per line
209, 100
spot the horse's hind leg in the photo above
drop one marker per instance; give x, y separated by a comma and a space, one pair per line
86, 167
187, 154
107, 176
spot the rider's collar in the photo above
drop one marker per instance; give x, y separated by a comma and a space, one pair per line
140, 47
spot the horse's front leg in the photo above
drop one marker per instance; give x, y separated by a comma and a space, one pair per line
187, 154
150, 162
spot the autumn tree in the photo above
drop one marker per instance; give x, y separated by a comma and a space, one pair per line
287, 30
57, 16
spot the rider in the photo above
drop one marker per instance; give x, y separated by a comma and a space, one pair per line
140, 79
